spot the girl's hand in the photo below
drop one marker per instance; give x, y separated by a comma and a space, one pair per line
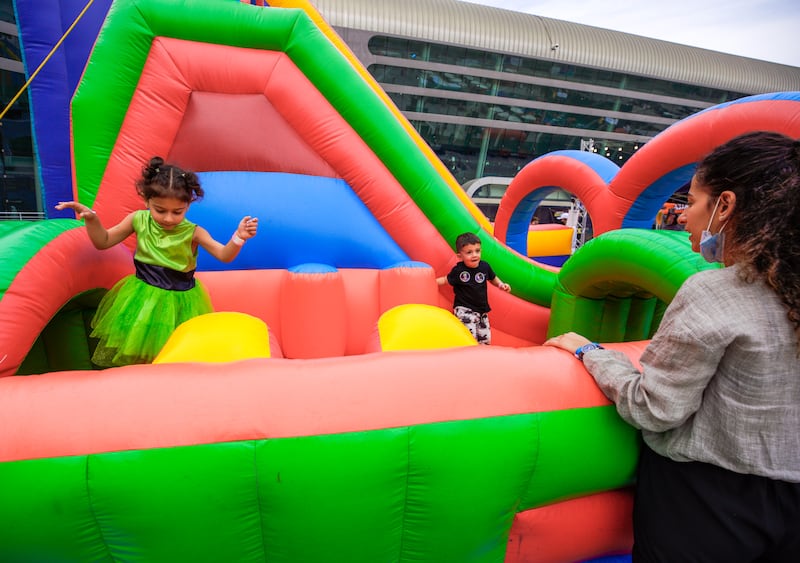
247, 228
81, 211
505, 287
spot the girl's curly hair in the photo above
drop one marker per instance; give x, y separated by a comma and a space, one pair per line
160, 179
763, 169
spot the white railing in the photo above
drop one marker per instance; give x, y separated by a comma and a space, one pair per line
21, 216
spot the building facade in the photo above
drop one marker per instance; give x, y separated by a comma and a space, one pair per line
18, 192
488, 89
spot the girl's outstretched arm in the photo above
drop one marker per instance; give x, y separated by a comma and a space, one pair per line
247, 229
101, 237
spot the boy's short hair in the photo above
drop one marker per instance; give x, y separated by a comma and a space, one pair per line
466, 238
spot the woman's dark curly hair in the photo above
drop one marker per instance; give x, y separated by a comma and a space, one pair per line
160, 179
763, 170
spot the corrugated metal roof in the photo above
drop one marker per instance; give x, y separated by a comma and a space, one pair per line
505, 31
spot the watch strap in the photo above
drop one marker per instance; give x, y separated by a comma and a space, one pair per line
585, 348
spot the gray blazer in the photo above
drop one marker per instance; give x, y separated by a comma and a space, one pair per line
720, 381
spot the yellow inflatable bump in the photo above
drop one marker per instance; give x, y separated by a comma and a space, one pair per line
421, 327
216, 338
555, 242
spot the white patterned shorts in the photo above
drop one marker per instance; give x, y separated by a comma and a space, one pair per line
477, 323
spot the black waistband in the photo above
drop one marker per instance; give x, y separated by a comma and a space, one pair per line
165, 278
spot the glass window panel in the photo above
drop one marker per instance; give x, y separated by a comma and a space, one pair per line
7, 11
541, 68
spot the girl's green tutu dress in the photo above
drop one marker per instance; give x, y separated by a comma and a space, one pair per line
137, 316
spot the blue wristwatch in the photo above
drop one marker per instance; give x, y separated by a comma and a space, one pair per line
585, 348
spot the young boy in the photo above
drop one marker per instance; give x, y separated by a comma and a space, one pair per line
468, 279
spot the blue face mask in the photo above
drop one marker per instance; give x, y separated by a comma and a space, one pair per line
712, 247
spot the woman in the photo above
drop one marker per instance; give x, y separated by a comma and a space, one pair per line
718, 396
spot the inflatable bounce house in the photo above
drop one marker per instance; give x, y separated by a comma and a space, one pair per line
332, 409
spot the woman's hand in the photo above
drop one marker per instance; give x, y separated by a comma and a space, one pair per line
569, 341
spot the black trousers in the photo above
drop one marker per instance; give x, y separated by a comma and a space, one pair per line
688, 512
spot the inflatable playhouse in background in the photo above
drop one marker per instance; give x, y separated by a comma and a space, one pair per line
332, 409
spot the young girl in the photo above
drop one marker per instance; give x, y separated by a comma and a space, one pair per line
138, 315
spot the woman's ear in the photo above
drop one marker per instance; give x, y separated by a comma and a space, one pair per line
727, 205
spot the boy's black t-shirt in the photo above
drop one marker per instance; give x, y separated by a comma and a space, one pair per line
469, 286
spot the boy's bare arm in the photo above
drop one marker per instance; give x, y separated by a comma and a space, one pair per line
501, 284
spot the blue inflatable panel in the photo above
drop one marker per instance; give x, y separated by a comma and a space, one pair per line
602, 166
650, 200
518, 225
42, 23
313, 269
611, 559
556, 261
302, 220
408, 264
328, 269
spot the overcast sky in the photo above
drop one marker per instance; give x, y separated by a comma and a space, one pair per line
761, 29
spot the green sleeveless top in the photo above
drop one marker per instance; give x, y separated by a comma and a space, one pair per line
157, 246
